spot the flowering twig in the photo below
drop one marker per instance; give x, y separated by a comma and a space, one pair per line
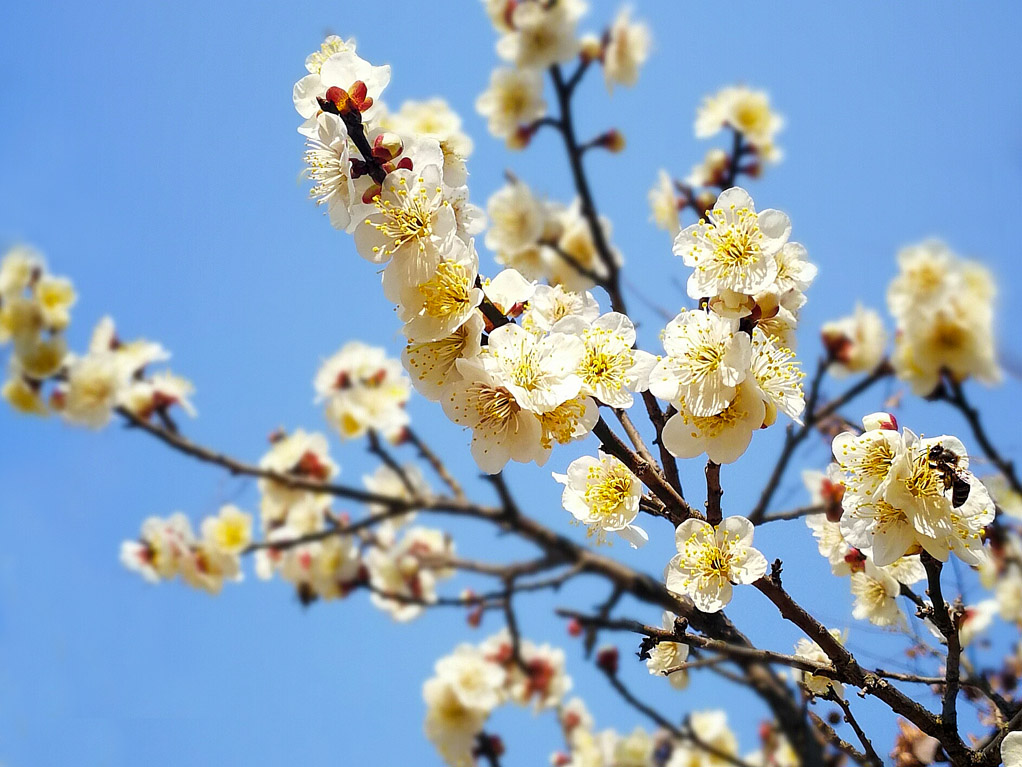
872, 758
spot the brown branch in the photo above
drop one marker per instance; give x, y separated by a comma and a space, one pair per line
945, 619
872, 758
802, 511
795, 436
713, 493
646, 472
837, 741
957, 399
438, 466
182, 444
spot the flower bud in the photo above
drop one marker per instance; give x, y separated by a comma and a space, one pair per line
387, 146
591, 48
607, 659
574, 628
880, 421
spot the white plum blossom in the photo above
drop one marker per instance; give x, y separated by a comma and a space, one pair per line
816, 684
724, 436
328, 165
663, 204
734, 247
541, 34
364, 390
432, 364
707, 357
711, 559
745, 110
440, 304
539, 372
602, 494
778, 376
610, 369
404, 575
876, 594
409, 220
363, 82
518, 219
855, 343
514, 98
627, 49
502, 429
552, 303
667, 655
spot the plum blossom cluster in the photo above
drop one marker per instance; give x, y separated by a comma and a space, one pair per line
305, 544
889, 496
537, 35
475, 679
943, 313
753, 124
168, 548
712, 743
364, 390
86, 389
729, 369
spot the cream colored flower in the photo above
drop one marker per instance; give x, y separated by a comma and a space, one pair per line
602, 494
711, 559
514, 98
502, 429
517, 219
451, 725
734, 248
663, 204
725, 436
541, 373
404, 575
856, 343
743, 109
876, 594
667, 655
363, 390
434, 119
437, 306
610, 369
432, 364
475, 680
328, 165
230, 531
707, 357
541, 34
778, 376
809, 650
627, 49
552, 303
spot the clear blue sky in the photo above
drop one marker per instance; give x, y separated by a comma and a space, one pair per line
149, 150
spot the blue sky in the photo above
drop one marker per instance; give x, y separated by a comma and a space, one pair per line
149, 150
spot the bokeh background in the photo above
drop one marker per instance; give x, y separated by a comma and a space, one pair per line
149, 149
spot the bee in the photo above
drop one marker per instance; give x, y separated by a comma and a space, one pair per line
946, 462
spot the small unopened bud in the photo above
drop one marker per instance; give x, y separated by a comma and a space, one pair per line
856, 560
521, 138
496, 745
590, 48
607, 659
613, 141
574, 628
387, 146
834, 717
560, 759
276, 435
571, 720
836, 342
880, 421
